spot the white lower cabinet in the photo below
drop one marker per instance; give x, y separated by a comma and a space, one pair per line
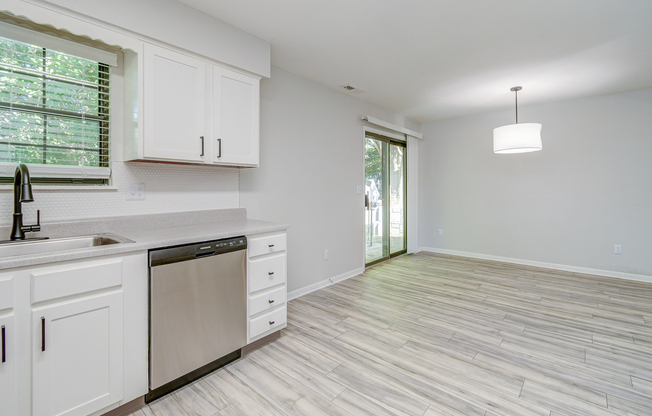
8, 366
266, 284
76, 336
77, 356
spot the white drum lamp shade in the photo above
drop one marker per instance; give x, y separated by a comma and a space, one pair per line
518, 138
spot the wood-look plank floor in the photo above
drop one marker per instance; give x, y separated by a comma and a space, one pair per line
441, 335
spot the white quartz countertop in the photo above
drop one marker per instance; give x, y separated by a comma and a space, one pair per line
150, 238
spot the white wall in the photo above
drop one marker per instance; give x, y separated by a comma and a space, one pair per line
311, 159
590, 187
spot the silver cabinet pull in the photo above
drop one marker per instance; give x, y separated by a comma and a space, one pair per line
219, 143
42, 333
270, 273
271, 322
202, 145
270, 301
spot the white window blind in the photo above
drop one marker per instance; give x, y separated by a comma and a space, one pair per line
54, 111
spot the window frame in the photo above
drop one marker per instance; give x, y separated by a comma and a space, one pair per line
64, 174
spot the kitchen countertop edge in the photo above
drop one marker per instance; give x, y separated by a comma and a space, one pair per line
147, 239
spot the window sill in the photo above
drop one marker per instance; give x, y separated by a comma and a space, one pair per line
64, 188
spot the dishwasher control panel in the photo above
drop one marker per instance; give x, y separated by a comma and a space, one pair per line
167, 255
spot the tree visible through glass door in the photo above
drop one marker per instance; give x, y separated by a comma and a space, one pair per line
375, 238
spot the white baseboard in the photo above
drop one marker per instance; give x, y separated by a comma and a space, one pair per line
327, 282
563, 267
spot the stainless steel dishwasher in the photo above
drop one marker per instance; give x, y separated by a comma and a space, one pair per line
197, 311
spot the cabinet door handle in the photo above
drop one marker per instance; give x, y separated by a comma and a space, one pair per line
202, 145
271, 245
270, 301
4, 349
271, 322
219, 144
42, 333
270, 273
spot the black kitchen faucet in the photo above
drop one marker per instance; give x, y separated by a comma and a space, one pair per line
23, 193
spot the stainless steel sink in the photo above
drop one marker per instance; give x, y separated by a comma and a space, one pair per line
25, 247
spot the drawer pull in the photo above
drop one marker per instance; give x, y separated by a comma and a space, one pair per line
270, 273
270, 301
271, 322
271, 245
4, 350
42, 333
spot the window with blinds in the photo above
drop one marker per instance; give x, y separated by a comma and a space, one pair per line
54, 110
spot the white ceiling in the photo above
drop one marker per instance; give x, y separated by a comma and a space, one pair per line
434, 59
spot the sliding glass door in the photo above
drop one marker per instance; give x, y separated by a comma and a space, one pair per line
385, 202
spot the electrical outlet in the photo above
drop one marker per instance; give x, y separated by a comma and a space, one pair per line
618, 249
440, 232
140, 190
136, 192
325, 254
358, 189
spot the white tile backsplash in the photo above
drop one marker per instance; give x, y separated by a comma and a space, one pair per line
169, 188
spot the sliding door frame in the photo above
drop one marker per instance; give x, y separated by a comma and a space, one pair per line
397, 140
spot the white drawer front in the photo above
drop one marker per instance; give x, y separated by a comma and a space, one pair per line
267, 301
262, 324
266, 272
265, 245
75, 278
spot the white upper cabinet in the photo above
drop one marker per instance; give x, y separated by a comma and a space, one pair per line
182, 109
174, 106
236, 108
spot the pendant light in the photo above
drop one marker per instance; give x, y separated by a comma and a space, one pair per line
517, 138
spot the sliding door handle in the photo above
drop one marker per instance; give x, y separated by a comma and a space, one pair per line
42, 333
202, 145
219, 147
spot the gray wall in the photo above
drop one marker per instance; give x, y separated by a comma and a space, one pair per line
311, 159
590, 187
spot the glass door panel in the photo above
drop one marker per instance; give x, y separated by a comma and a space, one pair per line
376, 246
397, 186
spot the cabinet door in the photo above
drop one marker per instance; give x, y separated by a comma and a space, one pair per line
174, 105
77, 356
236, 113
7, 366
